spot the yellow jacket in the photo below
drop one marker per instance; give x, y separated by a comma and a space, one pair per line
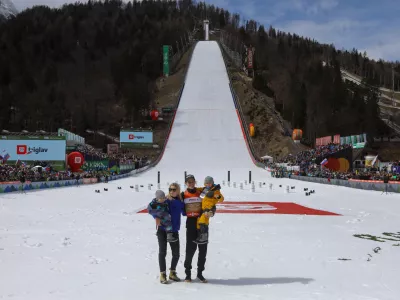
208, 203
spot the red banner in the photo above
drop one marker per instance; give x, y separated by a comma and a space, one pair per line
336, 139
326, 140
250, 58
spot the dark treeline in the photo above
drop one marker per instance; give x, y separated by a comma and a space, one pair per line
303, 76
83, 66
94, 65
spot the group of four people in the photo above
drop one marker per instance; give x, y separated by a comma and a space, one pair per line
198, 204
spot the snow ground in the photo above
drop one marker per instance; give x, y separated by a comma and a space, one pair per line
71, 243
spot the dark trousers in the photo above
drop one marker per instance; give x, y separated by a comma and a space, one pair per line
191, 247
162, 252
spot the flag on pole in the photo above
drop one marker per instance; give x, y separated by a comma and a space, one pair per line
324, 162
374, 161
5, 156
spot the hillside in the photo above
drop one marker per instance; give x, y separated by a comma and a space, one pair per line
96, 65
85, 66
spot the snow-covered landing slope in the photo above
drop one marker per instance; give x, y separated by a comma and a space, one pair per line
206, 137
72, 243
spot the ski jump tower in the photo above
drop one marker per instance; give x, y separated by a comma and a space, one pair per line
206, 26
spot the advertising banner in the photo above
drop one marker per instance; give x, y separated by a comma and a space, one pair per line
357, 141
135, 138
326, 140
39, 148
336, 139
95, 165
166, 60
250, 58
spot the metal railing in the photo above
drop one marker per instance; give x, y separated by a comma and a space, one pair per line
392, 125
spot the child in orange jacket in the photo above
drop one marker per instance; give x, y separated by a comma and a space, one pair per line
210, 195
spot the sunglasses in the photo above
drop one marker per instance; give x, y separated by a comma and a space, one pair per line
172, 190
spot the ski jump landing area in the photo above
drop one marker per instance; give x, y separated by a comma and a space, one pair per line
75, 244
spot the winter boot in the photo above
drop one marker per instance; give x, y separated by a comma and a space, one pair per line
163, 278
173, 276
171, 237
202, 235
201, 278
188, 277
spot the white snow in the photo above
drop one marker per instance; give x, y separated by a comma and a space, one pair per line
72, 243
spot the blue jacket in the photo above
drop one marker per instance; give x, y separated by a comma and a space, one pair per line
175, 209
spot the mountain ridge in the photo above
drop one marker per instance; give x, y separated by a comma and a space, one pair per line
7, 9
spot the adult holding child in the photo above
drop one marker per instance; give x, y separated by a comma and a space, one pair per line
193, 210
167, 213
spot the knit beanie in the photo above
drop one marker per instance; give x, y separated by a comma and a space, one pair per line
208, 179
160, 195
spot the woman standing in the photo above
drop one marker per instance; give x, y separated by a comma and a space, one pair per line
173, 204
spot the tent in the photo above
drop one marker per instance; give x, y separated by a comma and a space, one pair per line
267, 158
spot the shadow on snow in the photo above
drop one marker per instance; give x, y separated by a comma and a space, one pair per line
260, 281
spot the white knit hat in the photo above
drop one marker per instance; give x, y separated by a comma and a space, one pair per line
160, 195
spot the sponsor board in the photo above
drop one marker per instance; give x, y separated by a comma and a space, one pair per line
31, 149
136, 139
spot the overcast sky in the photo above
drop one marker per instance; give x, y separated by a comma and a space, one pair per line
370, 25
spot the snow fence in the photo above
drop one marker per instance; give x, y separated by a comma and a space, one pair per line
371, 185
13, 186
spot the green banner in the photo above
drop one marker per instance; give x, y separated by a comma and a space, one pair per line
127, 167
166, 60
136, 145
359, 145
167, 109
95, 165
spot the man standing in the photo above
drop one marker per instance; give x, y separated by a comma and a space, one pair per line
192, 200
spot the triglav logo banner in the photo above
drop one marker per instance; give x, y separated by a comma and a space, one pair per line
25, 150
136, 137
32, 150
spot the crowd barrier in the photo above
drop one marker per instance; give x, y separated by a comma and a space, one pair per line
13, 186
371, 185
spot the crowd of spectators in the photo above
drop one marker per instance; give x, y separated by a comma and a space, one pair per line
123, 158
306, 161
91, 151
10, 173
371, 174
42, 171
